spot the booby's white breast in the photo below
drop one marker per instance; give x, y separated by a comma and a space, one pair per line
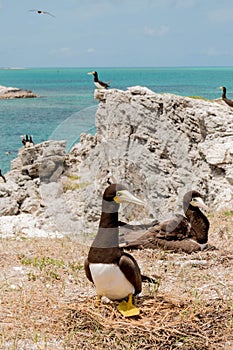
98, 85
110, 281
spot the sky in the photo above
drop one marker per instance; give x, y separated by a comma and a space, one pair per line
116, 33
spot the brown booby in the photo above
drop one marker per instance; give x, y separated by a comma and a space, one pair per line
224, 98
40, 12
98, 83
27, 141
115, 274
187, 233
2, 176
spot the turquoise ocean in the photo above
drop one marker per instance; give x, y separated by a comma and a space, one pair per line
66, 106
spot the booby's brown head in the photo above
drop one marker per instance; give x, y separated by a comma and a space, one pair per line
92, 73
119, 194
193, 200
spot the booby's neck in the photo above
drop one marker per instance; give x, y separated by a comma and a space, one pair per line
224, 93
96, 77
105, 247
199, 224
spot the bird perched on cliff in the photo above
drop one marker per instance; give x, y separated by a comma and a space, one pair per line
40, 12
224, 98
98, 83
187, 233
2, 176
27, 142
115, 274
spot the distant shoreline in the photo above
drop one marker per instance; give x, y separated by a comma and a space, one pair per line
117, 67
13, 92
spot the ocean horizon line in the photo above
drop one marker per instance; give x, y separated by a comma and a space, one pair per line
114, 67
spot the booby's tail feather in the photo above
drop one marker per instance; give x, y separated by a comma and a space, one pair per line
150, 279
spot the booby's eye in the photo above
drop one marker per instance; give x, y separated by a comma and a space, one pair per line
118, 193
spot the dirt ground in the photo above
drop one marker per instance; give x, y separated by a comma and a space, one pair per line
46, 302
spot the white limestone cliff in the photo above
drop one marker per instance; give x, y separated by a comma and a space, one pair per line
159, 145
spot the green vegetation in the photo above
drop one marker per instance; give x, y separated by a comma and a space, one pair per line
228, 213
73, 183
199, 98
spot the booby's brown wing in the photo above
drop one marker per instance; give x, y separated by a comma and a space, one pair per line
228, 102
130, 233
102, 83
87, 270
175, 229
130, 268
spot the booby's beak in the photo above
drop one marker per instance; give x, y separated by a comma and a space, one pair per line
125, 196
198, 202
90, 73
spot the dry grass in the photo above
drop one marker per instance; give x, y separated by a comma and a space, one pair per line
47, 303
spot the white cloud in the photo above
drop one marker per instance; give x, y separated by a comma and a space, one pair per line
211, 51
214, 52
64, 51
160, 31
222, 15
185, 3
91, 50
173, 3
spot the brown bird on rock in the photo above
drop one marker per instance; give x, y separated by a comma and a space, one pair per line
224, 97
182, 233
98, 83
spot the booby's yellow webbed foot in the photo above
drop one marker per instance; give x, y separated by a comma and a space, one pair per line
98, 299
127, 308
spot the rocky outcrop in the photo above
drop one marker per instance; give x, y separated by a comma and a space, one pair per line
162, 146
12, 92
22, 193
159, 145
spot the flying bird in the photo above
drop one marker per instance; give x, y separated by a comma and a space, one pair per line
224, 98
40, 12
115, 274
98, 83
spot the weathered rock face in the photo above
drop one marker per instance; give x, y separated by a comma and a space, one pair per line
35, 165
161, 146
12, 92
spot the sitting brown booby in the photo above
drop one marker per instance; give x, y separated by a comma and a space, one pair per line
98, 83
224, 97
182, 233
115, 274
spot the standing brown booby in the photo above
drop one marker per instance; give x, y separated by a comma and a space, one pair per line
224, 98
98, 83
115, 274
188, 233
